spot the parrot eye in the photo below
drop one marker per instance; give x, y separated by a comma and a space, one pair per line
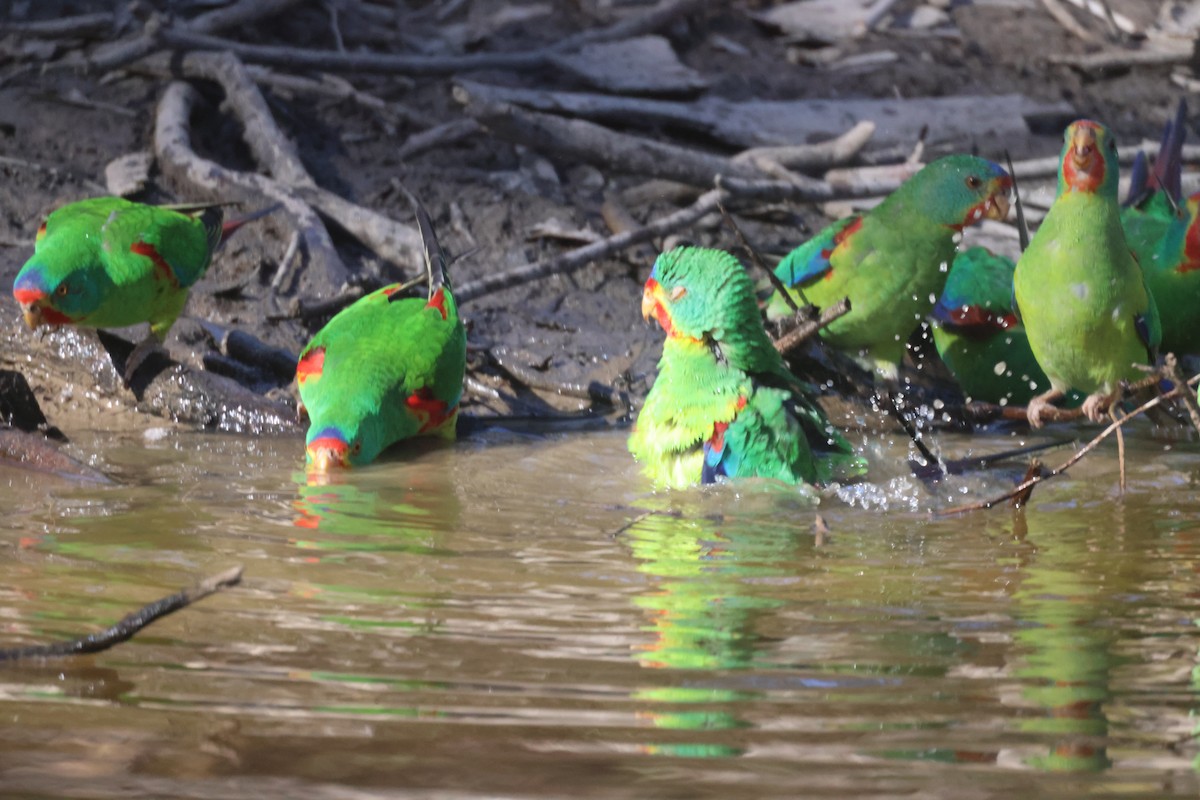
678, 292
974, 182
356, 449
61, 291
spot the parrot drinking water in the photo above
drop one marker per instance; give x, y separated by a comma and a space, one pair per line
110, 262
386, 368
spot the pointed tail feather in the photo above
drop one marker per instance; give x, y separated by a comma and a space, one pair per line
231, 227
435, 258
1139, 176
1168, 164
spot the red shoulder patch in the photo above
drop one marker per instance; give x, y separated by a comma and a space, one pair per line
161, 267
311, 364
438, 301
430, 411
1191, 249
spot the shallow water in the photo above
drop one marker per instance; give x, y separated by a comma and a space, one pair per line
513, 616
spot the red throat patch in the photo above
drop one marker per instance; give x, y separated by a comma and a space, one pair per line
982, 319
310, 365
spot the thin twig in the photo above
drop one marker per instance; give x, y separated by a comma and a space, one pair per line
806, 330
1079, 454
758, 262
131, 624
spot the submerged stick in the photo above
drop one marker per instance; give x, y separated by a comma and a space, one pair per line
131, 624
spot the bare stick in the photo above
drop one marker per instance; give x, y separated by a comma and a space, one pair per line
1079, 454
582, 256
805, 331
1064, 18
594, 144
806, 156
81, 26
1112, 414
1114, 59
131, 624
438, 136
758, 262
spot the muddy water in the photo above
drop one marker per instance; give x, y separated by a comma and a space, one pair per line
505, 618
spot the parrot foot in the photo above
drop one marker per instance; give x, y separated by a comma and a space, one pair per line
1096, 406
138, 355
1038, 405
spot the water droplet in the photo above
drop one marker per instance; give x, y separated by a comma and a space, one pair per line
1000, 368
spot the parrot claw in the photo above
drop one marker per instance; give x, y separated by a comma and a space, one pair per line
1097, 405
1038, 405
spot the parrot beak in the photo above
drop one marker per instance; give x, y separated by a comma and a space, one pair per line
998, 208
328, 453
649, 301
31, 306
1083, 147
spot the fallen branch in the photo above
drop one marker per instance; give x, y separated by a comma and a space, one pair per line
119, 53
131, 624
1121, 59
576, 139
593, 391
80, 26
173, 147
194, 37
1028, 483
825, 154
582, 256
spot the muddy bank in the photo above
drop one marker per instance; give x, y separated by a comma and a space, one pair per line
480, 109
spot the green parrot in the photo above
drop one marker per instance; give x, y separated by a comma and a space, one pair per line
110, 262
978, 336
386, 368
723, 402
892, 260
1162, 230
1078, 288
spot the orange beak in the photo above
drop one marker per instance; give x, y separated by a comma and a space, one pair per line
649, 299
31, 305
1083, 148
327, 453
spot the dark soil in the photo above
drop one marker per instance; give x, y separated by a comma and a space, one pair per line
575, 328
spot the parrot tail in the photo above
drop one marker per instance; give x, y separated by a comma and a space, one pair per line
1168, 164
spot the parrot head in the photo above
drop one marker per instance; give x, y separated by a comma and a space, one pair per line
64, 281
1089, 159
331, 447
700, 294
959, 190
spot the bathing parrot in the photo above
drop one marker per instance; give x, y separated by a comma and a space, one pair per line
723, 402
1162, 230
386, 368
110, 262
892, 261
978, 336
1079, 289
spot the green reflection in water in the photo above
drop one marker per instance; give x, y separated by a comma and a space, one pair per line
1060, 606
702, 611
